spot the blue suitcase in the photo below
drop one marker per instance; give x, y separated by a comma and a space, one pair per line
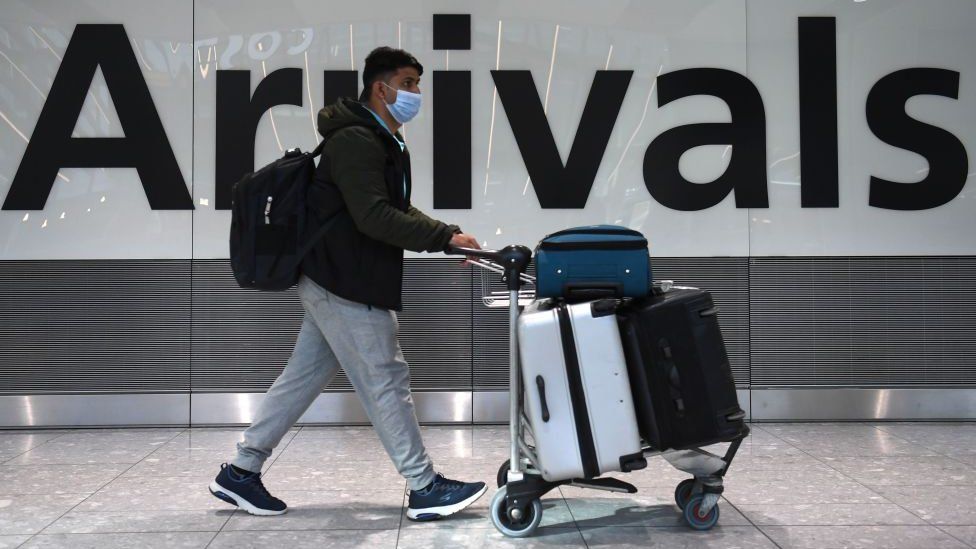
593, 261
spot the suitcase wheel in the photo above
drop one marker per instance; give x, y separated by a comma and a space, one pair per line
694, 517
514, 527
683, 492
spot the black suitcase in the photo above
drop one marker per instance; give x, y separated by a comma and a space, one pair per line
679, 372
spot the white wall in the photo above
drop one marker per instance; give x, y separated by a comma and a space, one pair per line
180, 50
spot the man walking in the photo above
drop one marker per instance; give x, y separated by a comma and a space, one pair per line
350, 289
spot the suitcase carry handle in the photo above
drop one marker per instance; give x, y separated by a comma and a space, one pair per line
541, 384
736, 416
674, 378
594, 290
708, 312
661, 287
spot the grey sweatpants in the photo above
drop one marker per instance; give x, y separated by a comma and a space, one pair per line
363, 341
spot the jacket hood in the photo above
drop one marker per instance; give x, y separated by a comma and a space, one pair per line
342, 114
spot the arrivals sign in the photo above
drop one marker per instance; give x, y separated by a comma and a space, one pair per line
715, 127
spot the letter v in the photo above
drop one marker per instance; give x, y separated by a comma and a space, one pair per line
558, 185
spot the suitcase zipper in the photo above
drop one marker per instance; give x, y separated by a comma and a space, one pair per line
620, 245
621, 231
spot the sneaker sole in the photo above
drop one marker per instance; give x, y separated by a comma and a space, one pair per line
434, 513
224, 494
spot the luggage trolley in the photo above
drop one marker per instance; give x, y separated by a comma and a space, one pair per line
516, 509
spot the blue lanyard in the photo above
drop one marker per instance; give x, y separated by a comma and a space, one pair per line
401, 143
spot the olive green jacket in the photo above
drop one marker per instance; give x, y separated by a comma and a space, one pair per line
364, 178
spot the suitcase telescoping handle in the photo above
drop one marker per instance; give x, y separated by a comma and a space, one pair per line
514, 259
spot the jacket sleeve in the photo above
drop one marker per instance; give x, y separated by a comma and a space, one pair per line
357, 162
414, 212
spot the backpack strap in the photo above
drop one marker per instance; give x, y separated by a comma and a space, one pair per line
318, 148
318, 234
310, 243
321, 231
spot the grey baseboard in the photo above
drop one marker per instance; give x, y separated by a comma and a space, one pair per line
460, 407
843, 404
94, 410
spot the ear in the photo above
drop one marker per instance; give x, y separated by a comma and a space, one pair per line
378, 90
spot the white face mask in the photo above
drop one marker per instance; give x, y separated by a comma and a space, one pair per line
406, 107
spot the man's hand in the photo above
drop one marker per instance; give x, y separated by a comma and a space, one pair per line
462, 240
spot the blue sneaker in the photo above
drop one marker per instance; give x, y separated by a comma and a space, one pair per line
442, 498
246, 492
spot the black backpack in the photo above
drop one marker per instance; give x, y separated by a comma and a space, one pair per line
269, 222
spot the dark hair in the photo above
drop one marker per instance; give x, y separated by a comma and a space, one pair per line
381, 63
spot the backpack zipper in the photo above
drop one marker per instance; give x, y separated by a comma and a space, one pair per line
267, 211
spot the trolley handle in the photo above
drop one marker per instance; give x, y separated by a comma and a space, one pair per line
514, 260
496, 268
493, 255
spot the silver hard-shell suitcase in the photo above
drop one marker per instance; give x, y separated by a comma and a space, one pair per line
578, 398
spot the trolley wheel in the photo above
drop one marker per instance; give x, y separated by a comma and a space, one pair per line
502, 477
682, 493
693, 517
510, 527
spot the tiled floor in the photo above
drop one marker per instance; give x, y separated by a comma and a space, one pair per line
892, 485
